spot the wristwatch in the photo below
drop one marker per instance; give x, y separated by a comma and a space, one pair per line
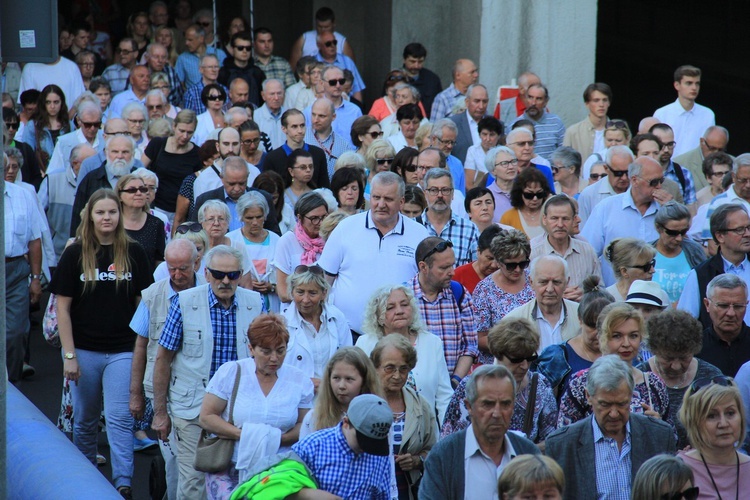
69, 355
37, 277
273, 288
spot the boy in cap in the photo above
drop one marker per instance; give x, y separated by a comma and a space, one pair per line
352, 459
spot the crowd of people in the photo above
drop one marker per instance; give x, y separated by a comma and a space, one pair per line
423, 299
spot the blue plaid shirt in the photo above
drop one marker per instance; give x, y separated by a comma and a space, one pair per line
175, 95
193, 98
340, 471
117, 75
462, 233
223, 325
443, 103
688, 194
613, 465
188, 64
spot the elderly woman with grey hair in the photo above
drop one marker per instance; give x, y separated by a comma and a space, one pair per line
259, 246
317, 329
136, 116
676, 254
566, 170
502, 165
393, 310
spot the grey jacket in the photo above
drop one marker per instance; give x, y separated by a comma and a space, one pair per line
572, 447
56, 195
694, 253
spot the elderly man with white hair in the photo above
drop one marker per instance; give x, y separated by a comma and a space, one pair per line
555, 316
443, 136
521, 140
120, 151
155, 103
615, 182
89, 122
268, 116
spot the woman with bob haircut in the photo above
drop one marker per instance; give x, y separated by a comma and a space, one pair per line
531, 476
664, 476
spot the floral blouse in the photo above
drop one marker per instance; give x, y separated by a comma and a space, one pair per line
574, 406
492, 304
545, 410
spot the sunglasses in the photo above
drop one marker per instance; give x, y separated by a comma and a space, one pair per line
133, 190
596, 177
536, 194
645, 267
220, 275
699, 384
374, 135
674, 232
214, 98
333, 82
91, 124
516, 361
152, 107
439, 248
243, 48
616, 124
189, 227
383, 161
688, 494
11, 125
511, 266
331, 43
316, 270
617, 173
410, 168
655, 182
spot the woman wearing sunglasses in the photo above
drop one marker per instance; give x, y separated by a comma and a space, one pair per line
664, 477
379, 158
213, 97
503, 290
530, 189
514, 343
405, 165
631, 259
714, 416
140, 225
365, 129
621, 330
676, 254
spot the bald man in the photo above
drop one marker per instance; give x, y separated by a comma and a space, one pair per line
321, 133
465, 73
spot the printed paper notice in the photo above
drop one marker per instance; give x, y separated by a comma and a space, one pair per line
27, 39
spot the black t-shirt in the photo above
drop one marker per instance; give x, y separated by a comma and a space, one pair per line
152, 238
101, 317
171, 169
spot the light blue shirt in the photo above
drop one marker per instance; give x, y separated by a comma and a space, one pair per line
618, 217
457, 171
671, 273
234, 220
345, 62
742, 379
613, 465
728, 196
142, 317
342, 124
690, 299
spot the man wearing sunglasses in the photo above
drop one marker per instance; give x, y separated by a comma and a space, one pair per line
241, 65
182, 261
189, 61
617, 159
112, 128
329, 55
714, 140
673, 170
555, 316
601, 454
629, 214
89, 121
346, 112
205, 327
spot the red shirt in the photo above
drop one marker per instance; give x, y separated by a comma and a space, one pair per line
467, 276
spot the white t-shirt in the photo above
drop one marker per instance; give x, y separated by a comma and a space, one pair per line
288, 253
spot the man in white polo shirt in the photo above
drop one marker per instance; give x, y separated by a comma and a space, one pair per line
372, 249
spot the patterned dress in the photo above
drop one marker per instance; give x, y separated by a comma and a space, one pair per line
545, 410
492, 304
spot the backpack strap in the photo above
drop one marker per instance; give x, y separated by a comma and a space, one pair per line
680, 175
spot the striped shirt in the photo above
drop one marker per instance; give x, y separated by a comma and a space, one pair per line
223, 325
550, 132
461, 232
454, 325
117, 75
277, 68
443, 103
613, 465
333, 146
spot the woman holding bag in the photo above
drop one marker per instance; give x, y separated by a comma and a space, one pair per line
270, 402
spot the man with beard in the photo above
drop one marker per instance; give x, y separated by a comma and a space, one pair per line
119, 162
550, 130
672, 170
228, 145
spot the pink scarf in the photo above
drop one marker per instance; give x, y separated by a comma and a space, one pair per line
312, 247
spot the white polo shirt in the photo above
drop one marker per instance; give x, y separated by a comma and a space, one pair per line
363, 260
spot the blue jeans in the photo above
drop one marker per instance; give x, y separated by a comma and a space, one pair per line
109, 372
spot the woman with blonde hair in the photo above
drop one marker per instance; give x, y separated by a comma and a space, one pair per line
379, 158
98, 282
531, 476
631, 259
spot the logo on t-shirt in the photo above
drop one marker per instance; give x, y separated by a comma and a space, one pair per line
109, 275
405, 251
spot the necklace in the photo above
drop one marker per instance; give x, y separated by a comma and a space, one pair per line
681, 383
737, 482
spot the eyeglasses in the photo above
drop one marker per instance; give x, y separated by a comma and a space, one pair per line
316, 270
152, 107
655, 182
722, 306
138, 122
133, 190
119, 132
596, 177
331, 43
302, 167
189, 227
669, 145
215, 220
739, 231
740, 180
375, 135
214, 97
645, 267
699, 384
619, 124
536, 194
507, 163
674, 232
523, 144
333, 82
433, 191
391, 369
248, 142
439, 248
719, 173
712, 149
160, 87
511, 266
220, 275
446, 143
383, 161
315, 219
617, 173
243, 48
688, 494
530, 359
